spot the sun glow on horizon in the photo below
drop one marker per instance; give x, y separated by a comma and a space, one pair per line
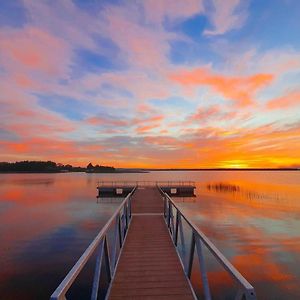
234, 164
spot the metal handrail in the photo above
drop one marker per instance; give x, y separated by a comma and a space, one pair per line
198, 238
145, 183
122, 217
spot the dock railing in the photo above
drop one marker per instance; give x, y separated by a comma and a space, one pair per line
198, 240
120, 220
145, 183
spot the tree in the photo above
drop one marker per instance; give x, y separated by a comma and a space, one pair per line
90, 166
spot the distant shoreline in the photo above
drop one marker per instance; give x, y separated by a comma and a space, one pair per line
229, 169
120, 171
143, 171
57, 172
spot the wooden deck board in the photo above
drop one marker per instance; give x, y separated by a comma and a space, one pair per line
149, 267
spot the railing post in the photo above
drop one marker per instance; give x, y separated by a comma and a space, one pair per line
114, 250
107, 260
176, 228
129, 206
191, 257
97, 272
169, 212
239, 295
203, 269
126, 215
182, 238
250, 294
120, 230
172, 223
122, 223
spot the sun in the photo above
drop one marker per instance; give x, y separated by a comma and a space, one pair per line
234, 164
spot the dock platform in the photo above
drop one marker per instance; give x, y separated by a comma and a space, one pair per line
149, 266
123, 188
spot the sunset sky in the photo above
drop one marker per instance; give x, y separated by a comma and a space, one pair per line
154, 83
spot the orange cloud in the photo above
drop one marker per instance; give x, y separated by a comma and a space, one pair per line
239, 89
19, 147
151, 122
290, 100
204, 114
146, 128
148, 119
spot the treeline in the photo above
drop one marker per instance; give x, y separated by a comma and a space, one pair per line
99, 169
37, 167
49, 167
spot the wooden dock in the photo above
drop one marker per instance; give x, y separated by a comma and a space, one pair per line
149, 267
141, 261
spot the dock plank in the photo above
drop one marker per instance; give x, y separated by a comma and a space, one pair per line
149, 267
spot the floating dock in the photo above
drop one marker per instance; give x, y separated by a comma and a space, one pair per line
142, 260
123, 188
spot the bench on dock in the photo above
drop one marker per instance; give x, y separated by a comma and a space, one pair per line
143, 260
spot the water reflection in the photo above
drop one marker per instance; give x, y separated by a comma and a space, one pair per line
223, 187
117, 200
258, 231
44, 229
47, 221
237, 190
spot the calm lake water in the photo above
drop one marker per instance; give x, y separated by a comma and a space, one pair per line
48, 220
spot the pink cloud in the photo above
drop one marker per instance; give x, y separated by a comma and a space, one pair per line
24, 81
227, 15
106, 121
58, 19
287, 101
142, 46
146, 128
31, 49
139, 83
126, 122
156, 11
22, 117
203, 114
151, 119
162, 141
144, 108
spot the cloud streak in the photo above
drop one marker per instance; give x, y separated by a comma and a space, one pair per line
238, 89
226, 16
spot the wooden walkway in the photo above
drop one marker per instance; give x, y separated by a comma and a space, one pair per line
149, 267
